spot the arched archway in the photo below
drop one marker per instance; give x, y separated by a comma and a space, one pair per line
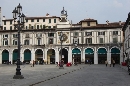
51, 56
15, 55
39, 56
76, 55
27, 55
5, 56
64, 55
89, 55
102, 55
115, 55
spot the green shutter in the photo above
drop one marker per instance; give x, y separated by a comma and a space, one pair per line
102, 51
89, 51
115, 51
76, 51
5, 56
27, 56
15, 55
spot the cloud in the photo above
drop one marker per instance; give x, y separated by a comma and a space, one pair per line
117, 4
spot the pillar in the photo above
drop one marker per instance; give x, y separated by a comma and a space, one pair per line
69, 54
10, 56
57, 55
45, 55
32, 55
108, 54
95, 56
1, 57
83, 54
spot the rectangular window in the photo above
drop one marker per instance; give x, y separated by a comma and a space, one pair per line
76, 33
14, 42
54, 26
6, 42
31, 27
37, 26
101, 40
88, 33
50, 34
10, 27
4, 28
39, 41
4, 22
88, 23
50, 40
88, 40
10, 22
101, 33
39, 35
26, 27
15, 35
6, 36
43, 20
32, 20
115, 40
49, 20
26, 20
26, 42
75, 40
115, 32
37, 20
54, 20
49, 26
27, 36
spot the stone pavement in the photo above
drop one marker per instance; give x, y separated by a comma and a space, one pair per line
50, 75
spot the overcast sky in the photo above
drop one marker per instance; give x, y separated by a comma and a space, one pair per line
101, 10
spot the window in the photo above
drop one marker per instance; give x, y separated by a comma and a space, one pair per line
27, 36
115, 40
26, 27
50, 40
26, 42
37, 26
115, 32
49, 26
5, 36
4, 22
39, 41
32, 20
26, 20
101, 33
76, 34
15, 42
54, 20
43, 20
88, 33
31, 27
50, 34
88, 40
37, 20
10, 22
5, 42
39, 35
101, 40
49, 20
15, 35
88, 23
75, 40
10, 27
4, 28
54, 26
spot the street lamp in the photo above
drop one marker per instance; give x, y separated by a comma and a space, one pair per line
61, 40
75, 44
21, 20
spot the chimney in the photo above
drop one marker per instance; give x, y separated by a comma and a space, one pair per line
47, 15
3, 18
107, 22
119, 22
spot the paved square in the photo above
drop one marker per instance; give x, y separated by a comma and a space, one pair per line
50, 75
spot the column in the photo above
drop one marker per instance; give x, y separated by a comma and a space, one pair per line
10, 56
108, 54
1, 57
21, 55
83, 54
121, 54
45, 55
95, 56
57, 55
32, 55
70, 54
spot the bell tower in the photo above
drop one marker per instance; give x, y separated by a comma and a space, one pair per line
63, 15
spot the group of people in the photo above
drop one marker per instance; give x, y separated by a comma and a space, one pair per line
110, 62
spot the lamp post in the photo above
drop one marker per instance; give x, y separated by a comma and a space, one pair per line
61, 40
21, 19
76, 52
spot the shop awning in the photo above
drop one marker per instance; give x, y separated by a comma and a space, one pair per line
89, 51
115, 51
76, 51
102, 51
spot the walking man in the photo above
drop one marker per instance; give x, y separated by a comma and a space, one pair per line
113, 62
106, 63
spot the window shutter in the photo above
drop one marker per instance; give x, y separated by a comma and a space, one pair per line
73, 40
3, 42
78, 40
13, 41
7, 42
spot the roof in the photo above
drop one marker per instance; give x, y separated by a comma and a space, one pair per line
88, 20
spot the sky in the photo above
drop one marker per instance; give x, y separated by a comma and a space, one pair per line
101, 10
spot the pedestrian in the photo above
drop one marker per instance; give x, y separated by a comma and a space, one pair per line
57, 64
33, 63
109, 62
113, 62
106, 63
90, 62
